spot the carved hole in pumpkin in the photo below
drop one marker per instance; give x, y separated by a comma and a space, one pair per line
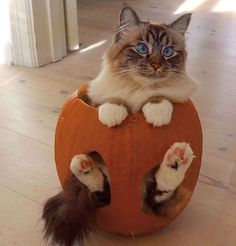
148, 185
83, 96
169, 207
102, 198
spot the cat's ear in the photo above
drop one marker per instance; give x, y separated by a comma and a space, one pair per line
181, 24
128, 20
128, 17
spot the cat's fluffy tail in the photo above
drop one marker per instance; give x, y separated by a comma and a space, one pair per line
68, 216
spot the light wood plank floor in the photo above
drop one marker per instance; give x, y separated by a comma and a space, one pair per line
30, 100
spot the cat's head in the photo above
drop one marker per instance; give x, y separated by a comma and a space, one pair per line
148, 52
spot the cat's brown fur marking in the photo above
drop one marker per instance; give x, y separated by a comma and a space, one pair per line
174, 205
168, 208
121, 54
69, 215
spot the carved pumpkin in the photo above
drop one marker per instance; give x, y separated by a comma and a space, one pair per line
129, 151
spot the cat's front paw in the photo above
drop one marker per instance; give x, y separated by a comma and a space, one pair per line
111, 114
158, 114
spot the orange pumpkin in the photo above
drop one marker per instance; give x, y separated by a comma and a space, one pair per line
129, 150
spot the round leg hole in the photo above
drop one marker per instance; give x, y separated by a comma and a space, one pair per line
101, 179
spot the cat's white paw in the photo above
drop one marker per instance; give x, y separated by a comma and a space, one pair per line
172, 170
81, 165
85, 170
181, 154
158, 114
111, 114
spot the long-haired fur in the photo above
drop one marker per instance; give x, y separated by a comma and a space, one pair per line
69, 216
129, 76
168, 208
173, 206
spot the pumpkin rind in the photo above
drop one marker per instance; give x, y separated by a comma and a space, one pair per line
129, 150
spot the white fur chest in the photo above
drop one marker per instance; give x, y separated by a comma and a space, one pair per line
137, 99
106, 87
102, 90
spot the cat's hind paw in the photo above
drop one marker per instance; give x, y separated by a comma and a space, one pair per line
81, 164
87, 172
179, 155
172, 170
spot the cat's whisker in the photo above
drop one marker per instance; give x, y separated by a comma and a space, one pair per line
136, 87
179, 77
125, 72
175, 78
176, 72
159, 84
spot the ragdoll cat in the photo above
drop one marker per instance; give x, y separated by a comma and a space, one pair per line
143, 70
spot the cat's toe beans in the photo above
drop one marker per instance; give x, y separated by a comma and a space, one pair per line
112, 114
158, 114
179, 154
81, 164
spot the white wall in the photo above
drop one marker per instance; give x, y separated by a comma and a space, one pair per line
5, 36
38, 31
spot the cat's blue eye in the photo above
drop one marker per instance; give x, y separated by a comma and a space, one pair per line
142, 48
168, 51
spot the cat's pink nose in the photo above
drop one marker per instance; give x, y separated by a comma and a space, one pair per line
155, 66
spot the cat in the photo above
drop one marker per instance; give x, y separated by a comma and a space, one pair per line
143, 70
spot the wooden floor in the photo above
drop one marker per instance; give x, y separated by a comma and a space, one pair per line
30, 100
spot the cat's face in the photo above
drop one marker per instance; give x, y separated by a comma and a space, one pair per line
148, 52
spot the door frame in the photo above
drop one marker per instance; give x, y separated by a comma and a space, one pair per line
71, 19
42, 31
